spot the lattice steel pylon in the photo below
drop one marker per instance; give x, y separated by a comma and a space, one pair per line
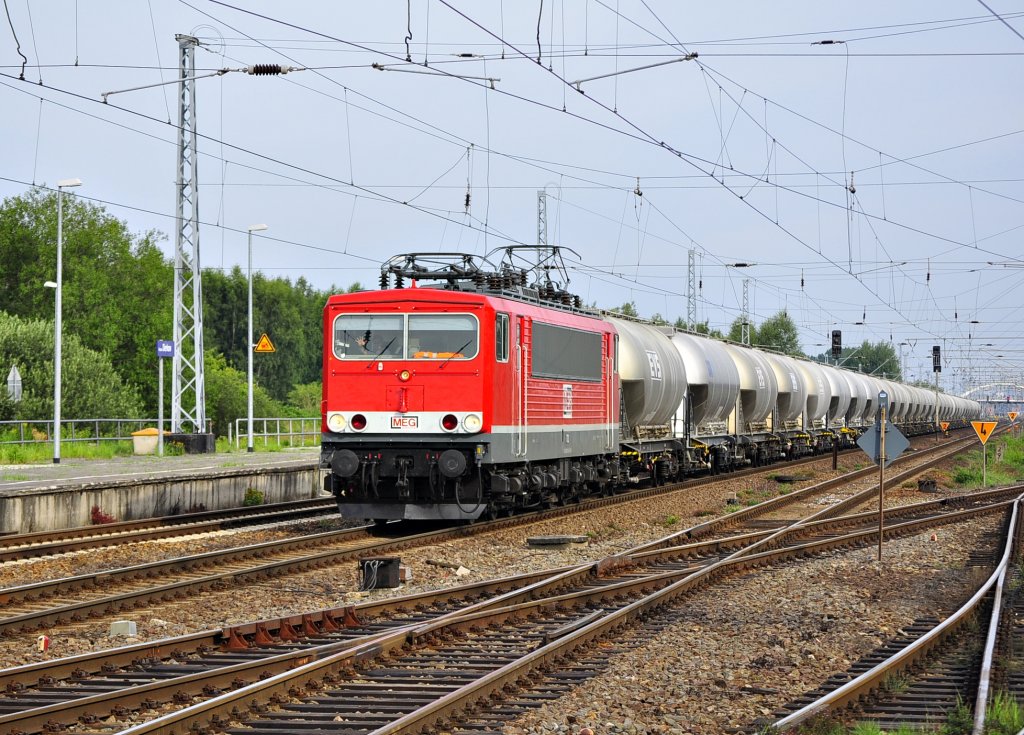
691, 291
745, 329
188, 392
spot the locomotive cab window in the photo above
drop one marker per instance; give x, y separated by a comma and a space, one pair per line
501, 338
443, 336
369, 336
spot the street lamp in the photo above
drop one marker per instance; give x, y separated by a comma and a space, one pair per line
249, 337
61, 186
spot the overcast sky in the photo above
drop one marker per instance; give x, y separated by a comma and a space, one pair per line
743, 153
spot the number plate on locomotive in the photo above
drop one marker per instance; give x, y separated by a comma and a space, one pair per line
405, 422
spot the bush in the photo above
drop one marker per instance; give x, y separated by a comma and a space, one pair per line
252, 497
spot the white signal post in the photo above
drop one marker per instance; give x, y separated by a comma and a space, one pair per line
248, 334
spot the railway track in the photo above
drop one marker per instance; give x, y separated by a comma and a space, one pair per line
276, 646
72, 599
465, 672
933, 671
43, 543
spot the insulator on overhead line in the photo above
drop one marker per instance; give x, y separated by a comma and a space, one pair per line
261, 70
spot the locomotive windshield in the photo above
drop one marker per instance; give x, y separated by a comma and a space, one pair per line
413, 336
442, 336
369, 336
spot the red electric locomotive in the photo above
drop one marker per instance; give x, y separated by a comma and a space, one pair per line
465, 399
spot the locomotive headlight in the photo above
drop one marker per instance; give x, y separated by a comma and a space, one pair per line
336, 422
404, 375
473, 423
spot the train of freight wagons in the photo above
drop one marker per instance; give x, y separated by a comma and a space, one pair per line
457, 391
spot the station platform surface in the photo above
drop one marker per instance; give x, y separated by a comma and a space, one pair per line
71, 472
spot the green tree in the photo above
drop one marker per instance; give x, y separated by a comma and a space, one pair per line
90, 387
291, 315
779, 332
117, 287
227, 391
874, 358
306, 398
627, 309
736, 331
703, 328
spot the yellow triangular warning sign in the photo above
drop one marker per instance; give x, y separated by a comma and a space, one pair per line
1012, 415
264, 345
983, 429
944, 425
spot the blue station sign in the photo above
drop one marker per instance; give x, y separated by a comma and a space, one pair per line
164, 348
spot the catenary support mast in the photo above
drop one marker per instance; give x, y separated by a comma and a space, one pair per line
188, 394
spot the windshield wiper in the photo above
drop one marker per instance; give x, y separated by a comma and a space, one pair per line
385, 349
457, 352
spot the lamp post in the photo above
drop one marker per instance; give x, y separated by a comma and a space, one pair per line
252, 229
57, 322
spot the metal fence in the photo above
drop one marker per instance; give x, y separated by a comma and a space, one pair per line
293, 431
72, 430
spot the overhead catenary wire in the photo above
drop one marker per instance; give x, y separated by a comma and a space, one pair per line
488, 146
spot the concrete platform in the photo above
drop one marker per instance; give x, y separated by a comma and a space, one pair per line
42, 497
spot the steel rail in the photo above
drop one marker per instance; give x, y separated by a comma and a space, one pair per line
40, 543
305, 678
215, 679
230, 556
872, 679
249, 630
745, 514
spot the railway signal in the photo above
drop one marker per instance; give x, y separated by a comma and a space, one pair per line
837, 344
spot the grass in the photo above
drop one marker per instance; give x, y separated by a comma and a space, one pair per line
1003, 716
42, 452
1006, 471
13, 478
959, 720
896, 683
669, 521
872, 728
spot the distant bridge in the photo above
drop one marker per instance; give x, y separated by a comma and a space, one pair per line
997, 399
